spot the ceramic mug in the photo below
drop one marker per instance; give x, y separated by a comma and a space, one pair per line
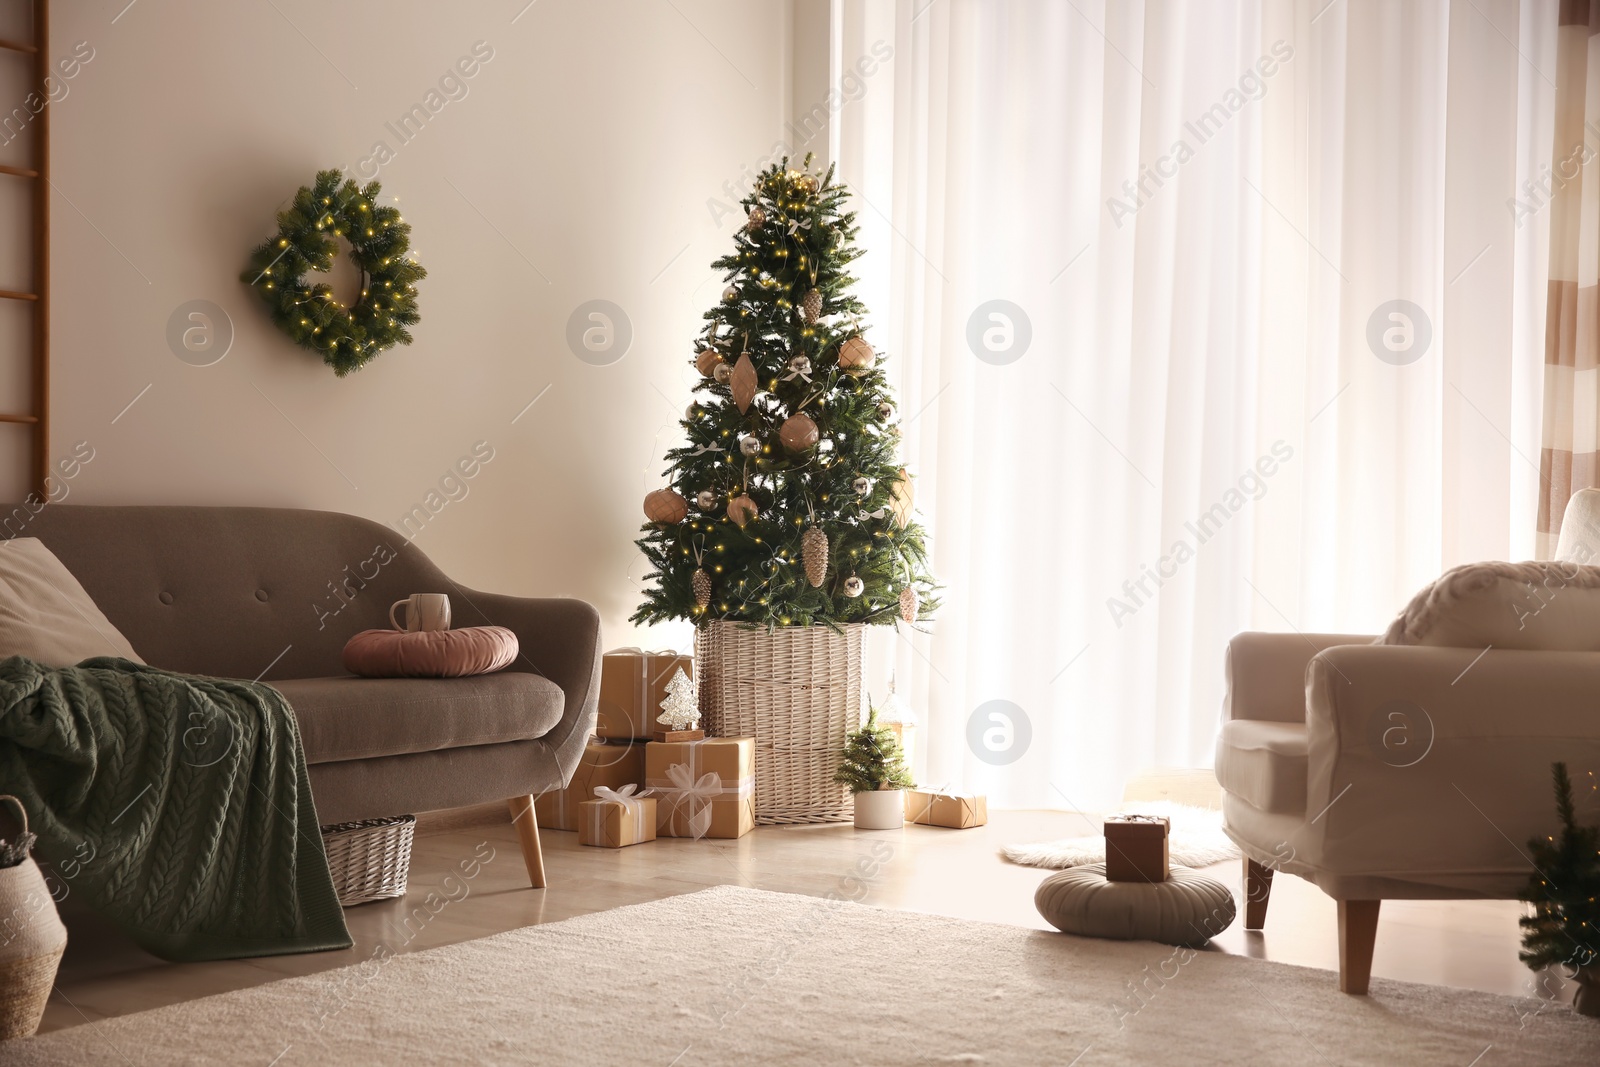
423, 612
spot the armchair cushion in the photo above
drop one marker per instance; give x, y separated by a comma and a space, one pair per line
1264, 764
1554, 606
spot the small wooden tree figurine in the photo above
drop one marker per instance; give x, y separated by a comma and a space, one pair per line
680, 713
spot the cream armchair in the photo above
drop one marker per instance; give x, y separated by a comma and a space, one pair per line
1415, 770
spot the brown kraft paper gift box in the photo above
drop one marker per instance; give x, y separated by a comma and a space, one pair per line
633, 683
688, 803
617, 821
937, 807
1136, 848
614, 764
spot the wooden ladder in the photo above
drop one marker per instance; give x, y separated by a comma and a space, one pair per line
39, 174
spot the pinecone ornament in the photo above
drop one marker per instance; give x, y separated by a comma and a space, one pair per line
811, 305
755, 220
814, 553
700, 582
908, 603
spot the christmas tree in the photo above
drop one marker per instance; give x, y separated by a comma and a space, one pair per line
787, 506
873, 760
1565, 925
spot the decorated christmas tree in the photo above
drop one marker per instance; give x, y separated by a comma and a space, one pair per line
1565, 925
873, 760
787, 506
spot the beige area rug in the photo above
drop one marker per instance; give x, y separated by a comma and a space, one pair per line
734, 976
1195, 839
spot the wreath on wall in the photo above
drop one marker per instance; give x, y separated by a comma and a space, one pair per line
345, 337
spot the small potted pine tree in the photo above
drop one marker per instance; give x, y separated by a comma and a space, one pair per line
1564, 927
875, 771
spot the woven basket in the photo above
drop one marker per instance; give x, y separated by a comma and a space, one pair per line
797, 691
31, 942
369, 860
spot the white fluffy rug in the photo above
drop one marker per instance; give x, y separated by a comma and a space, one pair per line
1195, 840
741, 976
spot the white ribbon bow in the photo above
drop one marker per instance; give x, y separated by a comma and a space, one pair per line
796, 224
704, 789
703, 449
624, 796
802, 375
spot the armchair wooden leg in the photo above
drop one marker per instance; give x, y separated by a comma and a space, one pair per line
1257, 888
528, 833
1358, 931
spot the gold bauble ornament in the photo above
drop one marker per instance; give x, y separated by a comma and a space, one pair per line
730, 294
721, 373
806, 183
665, 506
700, 582
742, 381
900, 498
811, 305
856, 356
854, 587
741, 509
909, 603
814, 553
798, 433
705, 500
708, 361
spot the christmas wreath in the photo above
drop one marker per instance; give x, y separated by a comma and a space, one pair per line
345, 337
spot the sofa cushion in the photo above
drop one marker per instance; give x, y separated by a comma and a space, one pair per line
430, 653
350, 718
1264, 764
45, 614
1545, 605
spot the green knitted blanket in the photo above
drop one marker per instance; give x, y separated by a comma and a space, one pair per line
177, 806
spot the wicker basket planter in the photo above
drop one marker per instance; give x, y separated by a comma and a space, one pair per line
369, 860
31, 942
797, 691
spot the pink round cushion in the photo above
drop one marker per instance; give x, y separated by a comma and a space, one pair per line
431, 654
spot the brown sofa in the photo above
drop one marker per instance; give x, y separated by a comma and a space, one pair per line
274, 593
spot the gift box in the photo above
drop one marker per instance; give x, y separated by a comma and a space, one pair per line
938, 807
703, 788
612, 764
633, 683
1136, 848
616, 818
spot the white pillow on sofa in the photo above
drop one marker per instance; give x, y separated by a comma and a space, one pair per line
46, 615
1550, 605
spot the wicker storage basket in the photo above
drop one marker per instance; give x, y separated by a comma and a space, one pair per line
797, 691
31, 942
369, 860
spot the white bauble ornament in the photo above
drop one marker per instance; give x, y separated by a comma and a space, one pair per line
853, 586
730, 294
861, 486
722, 374
705, 500
749, 444
885, 411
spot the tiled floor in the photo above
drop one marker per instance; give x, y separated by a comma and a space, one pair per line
950, 872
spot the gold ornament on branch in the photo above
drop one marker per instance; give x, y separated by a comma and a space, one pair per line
665, 506
705, 500
798, 433
755, 219
856, 356
722, 373
854, 587
909, 603
811, 305
749, 444
741, 509
708, 361
730, 294
700, 582
900, 495
742, 382
814, 553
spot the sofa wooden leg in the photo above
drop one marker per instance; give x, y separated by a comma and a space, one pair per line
1257, 888
1358, 931
528, 833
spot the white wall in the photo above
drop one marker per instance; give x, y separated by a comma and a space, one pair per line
582, 163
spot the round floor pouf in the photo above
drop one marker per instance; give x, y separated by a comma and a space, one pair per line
1187, 909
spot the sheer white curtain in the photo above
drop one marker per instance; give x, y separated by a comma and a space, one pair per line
1200, 217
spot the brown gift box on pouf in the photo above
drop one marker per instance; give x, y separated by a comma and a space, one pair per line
958, 811
703, 788
633, 683
1136, 848
617, 818
613, 764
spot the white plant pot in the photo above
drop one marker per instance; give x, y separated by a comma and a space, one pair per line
883, 809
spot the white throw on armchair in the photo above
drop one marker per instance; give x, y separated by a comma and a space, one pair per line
1416, 765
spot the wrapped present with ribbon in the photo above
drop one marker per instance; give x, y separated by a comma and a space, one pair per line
703, 788
616, 818
612, 764
633, 683
1136, 848
946, 807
